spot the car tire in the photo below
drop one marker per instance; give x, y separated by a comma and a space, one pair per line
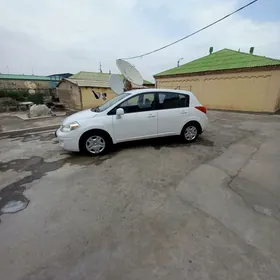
95, 143
190, 132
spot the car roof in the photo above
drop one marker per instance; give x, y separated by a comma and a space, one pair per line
147, 90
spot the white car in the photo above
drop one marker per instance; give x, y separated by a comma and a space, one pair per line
134, 115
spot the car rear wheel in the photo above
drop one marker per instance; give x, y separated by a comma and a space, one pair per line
95, 143
190, 132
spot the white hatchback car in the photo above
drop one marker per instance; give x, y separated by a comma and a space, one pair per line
134, 115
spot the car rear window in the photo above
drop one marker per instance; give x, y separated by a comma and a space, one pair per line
170, 100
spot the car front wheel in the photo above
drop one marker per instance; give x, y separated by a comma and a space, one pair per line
94, 143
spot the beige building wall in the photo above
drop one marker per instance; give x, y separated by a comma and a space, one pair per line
69, 94
245, 91
89, 100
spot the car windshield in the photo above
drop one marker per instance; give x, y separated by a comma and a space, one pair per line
110, 103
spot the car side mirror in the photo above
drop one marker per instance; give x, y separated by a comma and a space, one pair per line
119, 112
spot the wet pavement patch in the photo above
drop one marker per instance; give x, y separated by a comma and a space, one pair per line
84, 160
204, 142
158, 143
14, 206
12, 198
47, 137
21, 164
40, 137
31, 137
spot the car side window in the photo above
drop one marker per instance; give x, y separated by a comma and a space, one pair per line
170, 100
139, 103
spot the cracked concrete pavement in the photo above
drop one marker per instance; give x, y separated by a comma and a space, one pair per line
156, 209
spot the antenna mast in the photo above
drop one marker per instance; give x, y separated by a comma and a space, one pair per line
100, 67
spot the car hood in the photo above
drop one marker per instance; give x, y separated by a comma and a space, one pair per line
82, 115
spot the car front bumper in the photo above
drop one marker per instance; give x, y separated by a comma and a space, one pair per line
68, 140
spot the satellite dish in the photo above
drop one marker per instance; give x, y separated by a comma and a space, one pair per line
116, 83
130, 73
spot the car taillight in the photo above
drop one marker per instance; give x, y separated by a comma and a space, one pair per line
201, 108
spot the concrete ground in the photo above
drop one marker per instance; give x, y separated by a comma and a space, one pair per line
158, 209
13, 121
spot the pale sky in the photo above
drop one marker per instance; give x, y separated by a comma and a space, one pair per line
56, 36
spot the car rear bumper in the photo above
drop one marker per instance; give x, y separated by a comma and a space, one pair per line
203, 123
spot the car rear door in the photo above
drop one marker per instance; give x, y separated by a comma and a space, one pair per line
173, 111
139, 120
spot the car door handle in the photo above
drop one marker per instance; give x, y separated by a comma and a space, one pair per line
184, 112
151, 115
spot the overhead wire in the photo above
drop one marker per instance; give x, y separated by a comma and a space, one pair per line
185, 37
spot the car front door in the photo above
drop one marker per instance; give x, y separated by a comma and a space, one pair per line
173, 110
139, 120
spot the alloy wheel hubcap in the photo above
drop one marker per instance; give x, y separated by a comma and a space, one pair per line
190, 133
95, 144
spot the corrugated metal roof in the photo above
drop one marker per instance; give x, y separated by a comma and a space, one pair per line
98, 77
82, 75
222, 60
24, 77
90, 83
95, 83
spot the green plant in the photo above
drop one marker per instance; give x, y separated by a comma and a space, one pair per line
36, 98
22, 95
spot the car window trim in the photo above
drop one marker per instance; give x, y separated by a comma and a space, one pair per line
150, 92
156, 98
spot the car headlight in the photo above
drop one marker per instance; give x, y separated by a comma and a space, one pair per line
70, 126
